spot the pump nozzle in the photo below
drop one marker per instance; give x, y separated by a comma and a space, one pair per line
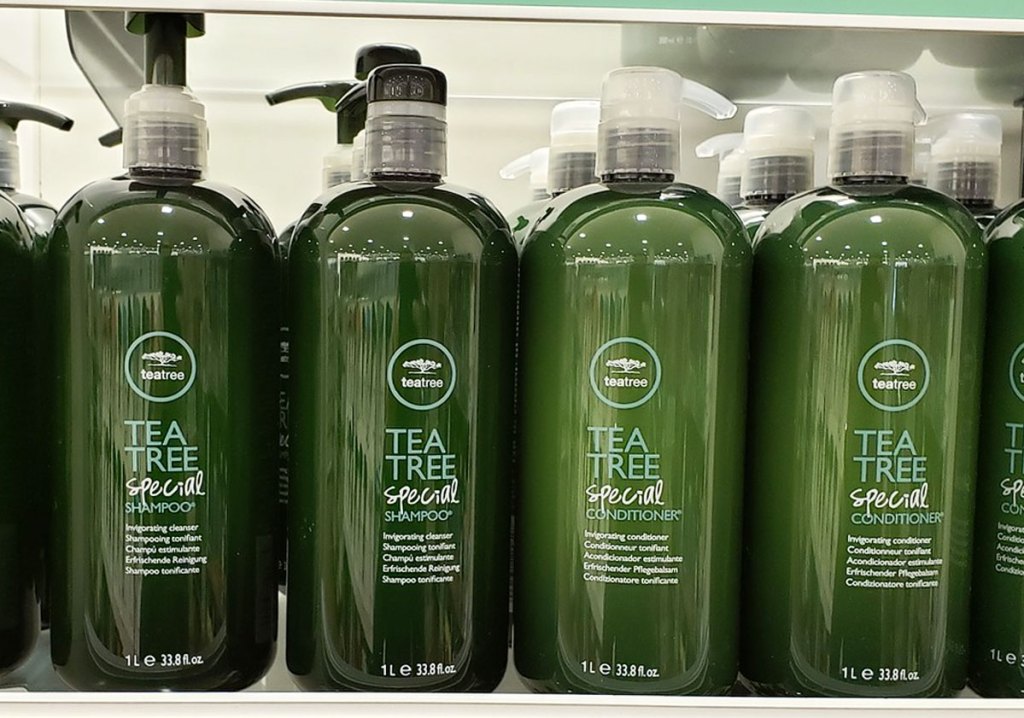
640, 120
536, 164
967, 150
573, 145
112, 138
778, 153
11, 114
165, 125
728, 148
327, 92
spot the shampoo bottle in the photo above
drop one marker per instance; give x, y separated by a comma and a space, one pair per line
865, 369
778, 144
966, 154
20, 509
728, 148
165, 343
403, 335
632, 391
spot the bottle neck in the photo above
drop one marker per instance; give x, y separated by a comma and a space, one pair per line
176, 173
864, 180
768, 201
405, 177
612, 178
978, 205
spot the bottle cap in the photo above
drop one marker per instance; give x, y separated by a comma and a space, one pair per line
536, 164
640, 119
966, 154
573, 145
11, 115
406, 128
728, 148
370, 57
873, 119
778, 149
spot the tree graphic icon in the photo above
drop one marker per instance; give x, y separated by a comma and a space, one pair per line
422, 366
894, 367
161, 358
625, 365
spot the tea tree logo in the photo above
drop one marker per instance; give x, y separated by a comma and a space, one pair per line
421, 374
1017, 372
625, 372
893, 375
160, 367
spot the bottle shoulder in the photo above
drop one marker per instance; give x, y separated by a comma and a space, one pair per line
636, 219
1007, 227
888, 222
368, 216
212, 212
14, 228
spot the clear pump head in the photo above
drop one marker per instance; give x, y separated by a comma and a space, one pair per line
337, 166
536, 165
573, 145
165, 128
358, 171
728, 148
640, 120
873, 119
406, 126
778, 148
966, 153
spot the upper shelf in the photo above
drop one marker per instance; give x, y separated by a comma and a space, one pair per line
1004, 16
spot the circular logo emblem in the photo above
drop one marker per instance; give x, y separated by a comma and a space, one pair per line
1017, 372
160, 367
894, 375
625, 372
421, 374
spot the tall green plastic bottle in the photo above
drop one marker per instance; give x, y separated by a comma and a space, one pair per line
39, 215
403, 326
778, 156
632, 393
997, 616
20, 511
965, 159
165, 340
337, 170
865, 370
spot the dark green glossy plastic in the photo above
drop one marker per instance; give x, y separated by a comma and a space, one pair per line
632, 393
281, 249
522, 220
868, 311
165, 345
403, 335
997, 617
20, 528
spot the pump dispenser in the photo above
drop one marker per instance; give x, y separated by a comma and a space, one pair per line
966, 154
573, 145
415, 444
151, 394
612, 388
535, 165
728, 148
864, 420
38, 213
778, 149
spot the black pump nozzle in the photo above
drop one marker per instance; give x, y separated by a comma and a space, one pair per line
11, 113
328, 93
112, 138
370, 57
165, 35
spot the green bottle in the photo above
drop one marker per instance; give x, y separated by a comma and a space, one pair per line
403, 326
20, 510
997, 622
865, 369
166, 331
535, 165
966, 155
778, 156
39, 215
632, 394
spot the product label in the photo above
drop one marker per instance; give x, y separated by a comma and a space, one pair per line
421, 480
165, 469
1009, 546
891, 486
629, 535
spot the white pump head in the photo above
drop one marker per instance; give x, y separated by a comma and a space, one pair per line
536, 165
165, 128
873, 119
573, 145
778, 149
10, 164
640, 120
728, 148
967, 149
